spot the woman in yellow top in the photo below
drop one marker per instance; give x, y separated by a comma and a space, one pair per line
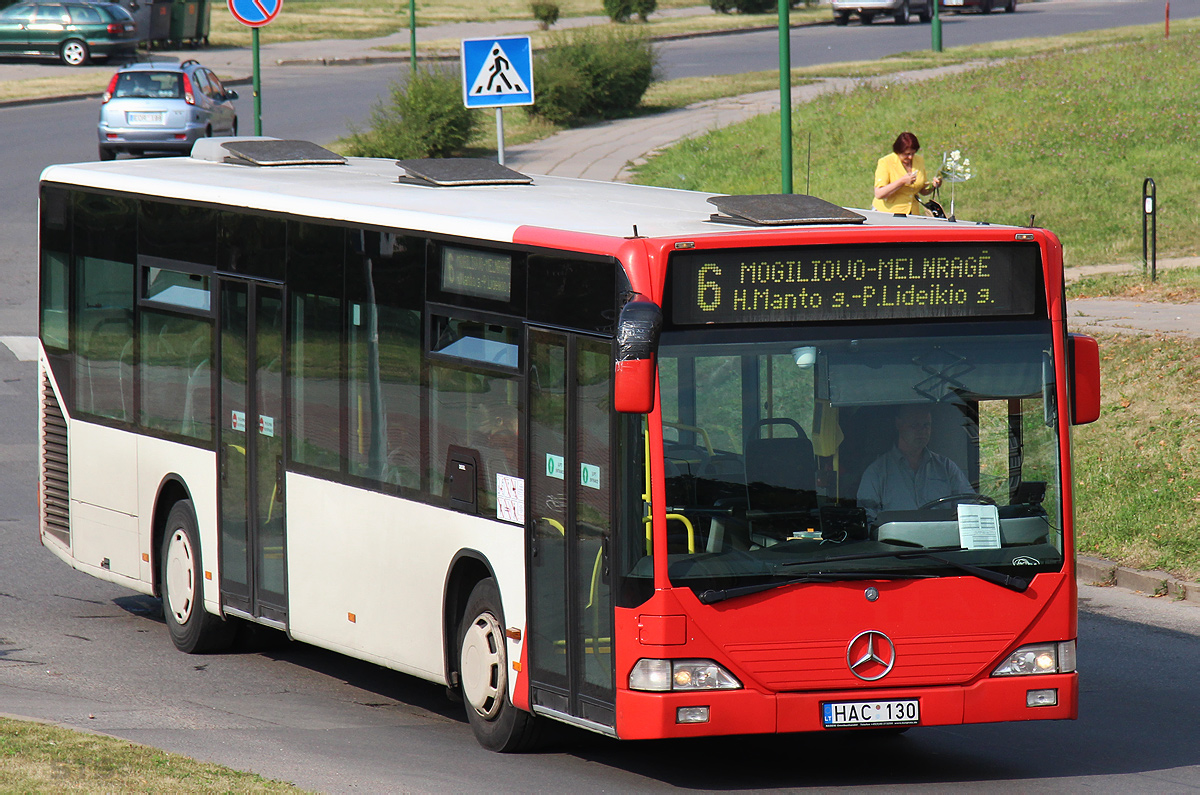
900, 178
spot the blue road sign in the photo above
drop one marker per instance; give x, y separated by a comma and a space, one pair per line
255, 13
497, 72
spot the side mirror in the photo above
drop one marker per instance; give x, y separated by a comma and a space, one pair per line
637, 349
231, 95
1085, 379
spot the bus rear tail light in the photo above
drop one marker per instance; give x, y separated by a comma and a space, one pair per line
680, 675
1039, 658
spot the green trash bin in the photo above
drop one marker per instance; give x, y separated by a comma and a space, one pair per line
203, 23
183, 21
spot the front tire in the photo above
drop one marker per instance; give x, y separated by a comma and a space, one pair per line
902, 13
193, 629
866, 19
483, 675
74, 52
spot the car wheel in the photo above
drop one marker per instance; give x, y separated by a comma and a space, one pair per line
483, 674
902, 13
841, 19
108, 154
985, 6
234, 133
926, 13
73, 52
193, 629
1010, 7
867, 19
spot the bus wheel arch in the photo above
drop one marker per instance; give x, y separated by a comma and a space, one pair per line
181, 584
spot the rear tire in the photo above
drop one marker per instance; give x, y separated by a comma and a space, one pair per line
108, 154
841, 19
74, 52
902, 13
193, 629
483, 675
867, 19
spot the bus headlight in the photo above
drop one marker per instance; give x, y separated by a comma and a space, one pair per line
1039, 658
666, 675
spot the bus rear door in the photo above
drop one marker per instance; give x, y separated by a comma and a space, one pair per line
253, 551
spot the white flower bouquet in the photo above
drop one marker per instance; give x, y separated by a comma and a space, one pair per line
954, 169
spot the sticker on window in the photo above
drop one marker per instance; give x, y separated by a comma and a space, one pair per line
556, 466
589, 475
510, 498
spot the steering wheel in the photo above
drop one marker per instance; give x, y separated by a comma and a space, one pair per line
970, 497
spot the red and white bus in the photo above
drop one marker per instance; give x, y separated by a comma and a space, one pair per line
597, 453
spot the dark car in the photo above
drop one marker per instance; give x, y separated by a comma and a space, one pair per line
73, 32
164, 106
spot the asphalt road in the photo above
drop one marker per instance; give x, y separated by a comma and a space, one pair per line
82, 652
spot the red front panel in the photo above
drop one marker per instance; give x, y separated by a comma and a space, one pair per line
788, 647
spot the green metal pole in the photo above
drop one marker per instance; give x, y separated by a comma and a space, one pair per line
935, 29
412, 35
257, 84
785, 97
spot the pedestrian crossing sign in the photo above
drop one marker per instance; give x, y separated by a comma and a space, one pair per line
497, 72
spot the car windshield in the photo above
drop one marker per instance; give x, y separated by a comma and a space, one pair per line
789, 455
154, 85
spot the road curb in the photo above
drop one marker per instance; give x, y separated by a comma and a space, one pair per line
1096, 571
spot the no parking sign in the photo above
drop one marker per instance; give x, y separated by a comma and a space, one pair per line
255, 13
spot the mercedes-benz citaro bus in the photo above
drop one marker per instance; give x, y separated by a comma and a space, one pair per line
651, 462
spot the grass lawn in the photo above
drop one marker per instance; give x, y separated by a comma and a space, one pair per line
39, 758
1178, 285
1137, 469
1066, 137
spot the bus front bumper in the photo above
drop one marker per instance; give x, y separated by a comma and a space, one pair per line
996, 699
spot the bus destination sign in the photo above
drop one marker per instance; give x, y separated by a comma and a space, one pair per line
852, 283
483, 274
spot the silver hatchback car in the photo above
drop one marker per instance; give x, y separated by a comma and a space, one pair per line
164, 107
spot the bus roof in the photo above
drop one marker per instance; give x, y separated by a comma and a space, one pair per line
368, 191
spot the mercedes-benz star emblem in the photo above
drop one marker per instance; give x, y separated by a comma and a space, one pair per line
871, 655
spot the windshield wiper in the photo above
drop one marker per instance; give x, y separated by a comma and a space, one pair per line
1003, 580
712, 596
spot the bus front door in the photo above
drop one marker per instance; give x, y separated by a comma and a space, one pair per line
251, 465
569, 522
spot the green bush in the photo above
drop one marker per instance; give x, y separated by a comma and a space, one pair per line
424, 118
545, 13
622, 10
592, 73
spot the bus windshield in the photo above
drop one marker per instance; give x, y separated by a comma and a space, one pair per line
883, 451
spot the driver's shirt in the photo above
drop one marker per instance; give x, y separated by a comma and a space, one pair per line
890, 484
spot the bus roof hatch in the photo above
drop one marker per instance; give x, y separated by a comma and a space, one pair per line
780, 209
447, 172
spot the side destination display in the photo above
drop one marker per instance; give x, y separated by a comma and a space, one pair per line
823, 283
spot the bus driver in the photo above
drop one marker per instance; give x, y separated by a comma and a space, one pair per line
910, 475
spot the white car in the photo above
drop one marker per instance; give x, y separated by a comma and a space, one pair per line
867, 10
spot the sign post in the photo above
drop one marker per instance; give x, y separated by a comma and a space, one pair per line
255, 14
496, 73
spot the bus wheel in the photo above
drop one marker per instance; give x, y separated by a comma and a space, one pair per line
193, 629
483, 673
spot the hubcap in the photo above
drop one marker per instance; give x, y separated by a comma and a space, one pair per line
181, 584
74, 54
483, 666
